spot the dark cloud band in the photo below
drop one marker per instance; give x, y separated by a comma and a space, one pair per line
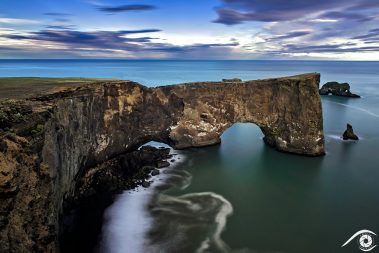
126, 8
234, 12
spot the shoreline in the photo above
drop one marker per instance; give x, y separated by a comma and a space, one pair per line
83, 217
127, 221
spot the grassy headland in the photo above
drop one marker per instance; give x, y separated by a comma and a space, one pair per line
24, 87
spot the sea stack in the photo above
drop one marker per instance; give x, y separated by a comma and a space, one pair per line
337, 89
349, 133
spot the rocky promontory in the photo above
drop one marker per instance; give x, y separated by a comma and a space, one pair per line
337, 89
349, 133
55, 147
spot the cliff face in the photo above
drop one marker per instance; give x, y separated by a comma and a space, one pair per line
95, 123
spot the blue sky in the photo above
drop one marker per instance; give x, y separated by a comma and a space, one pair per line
190, 29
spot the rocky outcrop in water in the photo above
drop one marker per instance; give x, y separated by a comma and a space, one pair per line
232, 80
337, 89
349, 133
50, 149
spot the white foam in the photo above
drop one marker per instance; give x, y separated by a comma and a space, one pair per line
126, 223
127, 220
220, 219
334, 136
337, 137
192, 206
204, 246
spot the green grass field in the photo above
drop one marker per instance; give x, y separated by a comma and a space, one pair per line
23, 87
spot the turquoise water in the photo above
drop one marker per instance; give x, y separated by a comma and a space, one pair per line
244, 196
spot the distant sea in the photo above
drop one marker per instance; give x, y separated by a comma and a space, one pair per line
242, 196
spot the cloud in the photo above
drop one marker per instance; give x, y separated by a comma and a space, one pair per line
368, 4
333, 15
112, 43
59, 27
326, 48
56, 14
233, 17
141, 31
321, 27
99, 39
373, 34
18, 21
239, 11
290, 35
234, 12
126, 8
190, 48
62, 20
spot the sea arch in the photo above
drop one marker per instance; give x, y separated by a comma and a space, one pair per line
287, 110
91, 124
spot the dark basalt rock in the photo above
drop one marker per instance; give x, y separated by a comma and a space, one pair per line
146, 184
337, 89
155, 172
120, 173
148, 168
162, 164
349, 133
232, 80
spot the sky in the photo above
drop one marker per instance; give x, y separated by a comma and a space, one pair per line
190, 29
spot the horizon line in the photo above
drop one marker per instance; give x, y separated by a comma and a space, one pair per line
174, 59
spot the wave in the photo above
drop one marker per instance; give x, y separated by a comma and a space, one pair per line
127, 221
334, 136
191, 222
356, 108
178, 179
339, 137
151, 220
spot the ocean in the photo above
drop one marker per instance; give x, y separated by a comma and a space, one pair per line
242, 196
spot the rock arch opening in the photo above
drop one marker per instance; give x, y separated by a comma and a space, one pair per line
241, 144
243, 132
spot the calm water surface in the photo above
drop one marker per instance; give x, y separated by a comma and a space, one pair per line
242, 196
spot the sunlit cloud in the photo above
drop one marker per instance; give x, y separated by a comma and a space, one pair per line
18, 21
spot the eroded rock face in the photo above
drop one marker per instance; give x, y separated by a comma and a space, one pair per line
87, 126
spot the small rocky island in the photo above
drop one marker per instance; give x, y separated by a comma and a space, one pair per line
337, 89
349, 133
70, 148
